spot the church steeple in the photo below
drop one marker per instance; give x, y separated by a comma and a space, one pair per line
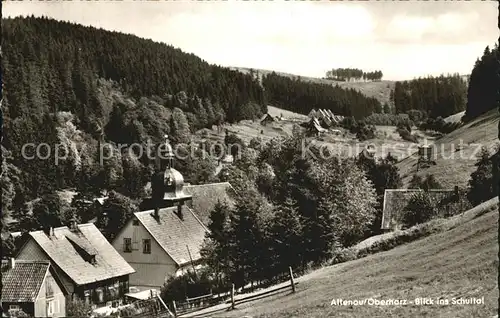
167, 183
164, 155
169, 154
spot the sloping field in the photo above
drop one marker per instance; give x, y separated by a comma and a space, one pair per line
387, 139
456, 153
276, 112
379, 90
453, 266
455, 118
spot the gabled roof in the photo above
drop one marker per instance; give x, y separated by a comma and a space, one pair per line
312, 113
267, 117
205, 198
395, 201
330, 113
314, 124
65, 248
174, 234
23, 282
101, 200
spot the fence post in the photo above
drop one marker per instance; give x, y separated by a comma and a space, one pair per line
291, 279
175, 308
232, 296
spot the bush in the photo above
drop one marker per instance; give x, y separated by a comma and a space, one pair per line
77, 308
388, 119
342, 255
17, 313
188, 285
406, 134
439, 125
420, 209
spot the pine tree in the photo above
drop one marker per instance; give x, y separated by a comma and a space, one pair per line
287, 237
481, 182
246, 239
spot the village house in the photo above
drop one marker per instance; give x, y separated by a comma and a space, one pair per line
312, 113
164, 239
267, 119
395, 201
33, 288
87, 264
314, 127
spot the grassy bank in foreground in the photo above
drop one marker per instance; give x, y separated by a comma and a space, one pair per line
458, 258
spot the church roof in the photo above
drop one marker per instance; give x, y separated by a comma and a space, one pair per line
205, 197
180, 238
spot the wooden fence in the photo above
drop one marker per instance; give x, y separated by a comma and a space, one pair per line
195, 304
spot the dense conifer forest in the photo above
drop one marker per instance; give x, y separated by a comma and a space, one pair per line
483, 94
301, 97
53, 85
436, 96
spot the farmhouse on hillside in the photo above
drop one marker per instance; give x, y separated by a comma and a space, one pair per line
267, 119
88, 266
32, 287
314, 127
367, 152
312, 113
165, 238
395, 201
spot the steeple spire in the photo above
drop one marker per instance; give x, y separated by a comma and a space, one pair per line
168, 154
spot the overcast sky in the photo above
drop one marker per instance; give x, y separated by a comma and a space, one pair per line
403, 39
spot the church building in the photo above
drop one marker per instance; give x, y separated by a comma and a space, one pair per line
164, 239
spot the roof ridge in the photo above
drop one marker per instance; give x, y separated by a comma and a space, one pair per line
206, 184
197, 219
25, 261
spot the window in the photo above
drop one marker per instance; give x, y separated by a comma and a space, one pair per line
14, 307
100, 295
127, 245
135, 222
87, 296
48, 287
146, 246
50, 308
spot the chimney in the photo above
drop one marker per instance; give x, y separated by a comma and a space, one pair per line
51, 231
156, 213
12, 263
73, 225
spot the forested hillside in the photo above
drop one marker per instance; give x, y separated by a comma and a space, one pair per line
484, 84
57, 91
436, 96
301, 97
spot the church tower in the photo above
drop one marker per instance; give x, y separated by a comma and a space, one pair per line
166, 183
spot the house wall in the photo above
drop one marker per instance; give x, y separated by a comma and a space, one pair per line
112, 290
32, 251
56, 297
151, 269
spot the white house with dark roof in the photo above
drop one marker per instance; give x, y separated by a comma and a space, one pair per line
165, 238
32, 287
87, 264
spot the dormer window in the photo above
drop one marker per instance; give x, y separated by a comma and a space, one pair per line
83, 248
